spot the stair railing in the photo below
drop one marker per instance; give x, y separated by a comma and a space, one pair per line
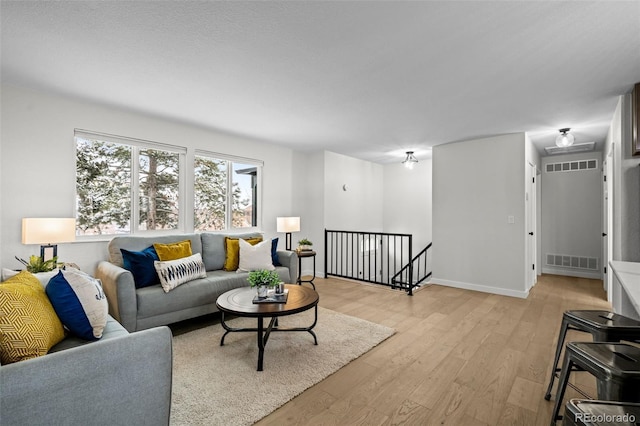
373, 257
406, 279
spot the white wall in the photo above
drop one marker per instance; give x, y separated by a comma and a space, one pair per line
572, 214
324, 204
407, 201
37, 174
477, 185
359, 208
378, 198
308, 204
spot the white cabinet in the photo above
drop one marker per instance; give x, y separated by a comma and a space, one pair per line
626, 288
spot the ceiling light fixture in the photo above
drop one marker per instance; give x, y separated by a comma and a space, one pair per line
565, 138
410, 160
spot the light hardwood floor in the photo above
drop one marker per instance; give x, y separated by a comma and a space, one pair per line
458, 357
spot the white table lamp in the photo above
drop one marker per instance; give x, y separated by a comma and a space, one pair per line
48, 232
288, 225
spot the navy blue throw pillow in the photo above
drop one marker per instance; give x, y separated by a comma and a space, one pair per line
141, 265
274, 252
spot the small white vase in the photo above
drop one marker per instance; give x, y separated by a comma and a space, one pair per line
262, 291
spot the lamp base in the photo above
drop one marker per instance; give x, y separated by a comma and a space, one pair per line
287, 239
46, 249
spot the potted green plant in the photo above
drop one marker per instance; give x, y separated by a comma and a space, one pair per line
304, 244
263, 279
37, 264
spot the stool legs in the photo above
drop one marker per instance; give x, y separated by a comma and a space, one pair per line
561, 337
567, 366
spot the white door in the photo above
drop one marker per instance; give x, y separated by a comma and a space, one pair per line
530, 220
607, 222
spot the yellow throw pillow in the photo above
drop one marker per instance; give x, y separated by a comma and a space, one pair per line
232, 248
173, 251
29, 326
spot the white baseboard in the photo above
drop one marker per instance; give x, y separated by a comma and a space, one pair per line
572, 273
482, 288
309, 272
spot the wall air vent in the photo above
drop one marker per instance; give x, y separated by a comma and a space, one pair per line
575, 262
576, 147
572, 166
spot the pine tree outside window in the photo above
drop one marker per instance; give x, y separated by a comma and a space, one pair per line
124, 185
129, 186
225, 192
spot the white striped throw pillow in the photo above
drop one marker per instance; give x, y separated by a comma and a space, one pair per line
172, 273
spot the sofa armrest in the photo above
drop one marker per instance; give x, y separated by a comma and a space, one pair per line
120, 289
289, 259
121, 381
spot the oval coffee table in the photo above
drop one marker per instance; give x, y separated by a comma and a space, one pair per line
239, 302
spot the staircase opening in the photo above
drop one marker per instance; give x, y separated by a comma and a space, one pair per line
376, 257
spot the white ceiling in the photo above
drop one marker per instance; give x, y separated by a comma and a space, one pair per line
365, 79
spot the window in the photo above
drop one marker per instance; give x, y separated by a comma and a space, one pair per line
225, 192
126, 185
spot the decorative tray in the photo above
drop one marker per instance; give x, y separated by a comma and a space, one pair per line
275, 298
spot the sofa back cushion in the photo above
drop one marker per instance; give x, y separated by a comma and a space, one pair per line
138, 243
213, 247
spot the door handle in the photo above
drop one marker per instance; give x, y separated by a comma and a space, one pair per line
604, 234
530, 233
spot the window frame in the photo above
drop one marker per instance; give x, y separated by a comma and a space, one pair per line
186, 179
136, 146
230, 159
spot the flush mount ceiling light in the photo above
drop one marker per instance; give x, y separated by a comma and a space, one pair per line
410, 160
565, 138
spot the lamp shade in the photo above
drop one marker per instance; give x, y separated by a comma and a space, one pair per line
288, 224
48, 230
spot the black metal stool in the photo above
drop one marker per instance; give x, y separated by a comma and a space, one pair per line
580, 412
604, 326
616, 367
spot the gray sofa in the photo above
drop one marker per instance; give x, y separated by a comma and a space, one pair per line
142, 308
122, 379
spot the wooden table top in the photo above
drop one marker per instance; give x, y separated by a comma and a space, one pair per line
240, 302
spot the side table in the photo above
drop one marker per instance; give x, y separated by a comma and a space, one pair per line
304, 254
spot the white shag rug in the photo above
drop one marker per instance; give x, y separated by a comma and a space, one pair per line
219, 385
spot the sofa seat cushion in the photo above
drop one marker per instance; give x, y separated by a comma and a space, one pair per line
153, 301
112, 329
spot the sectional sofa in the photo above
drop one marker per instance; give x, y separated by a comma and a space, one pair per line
122, 379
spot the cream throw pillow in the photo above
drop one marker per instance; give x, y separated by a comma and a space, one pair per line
255, 257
